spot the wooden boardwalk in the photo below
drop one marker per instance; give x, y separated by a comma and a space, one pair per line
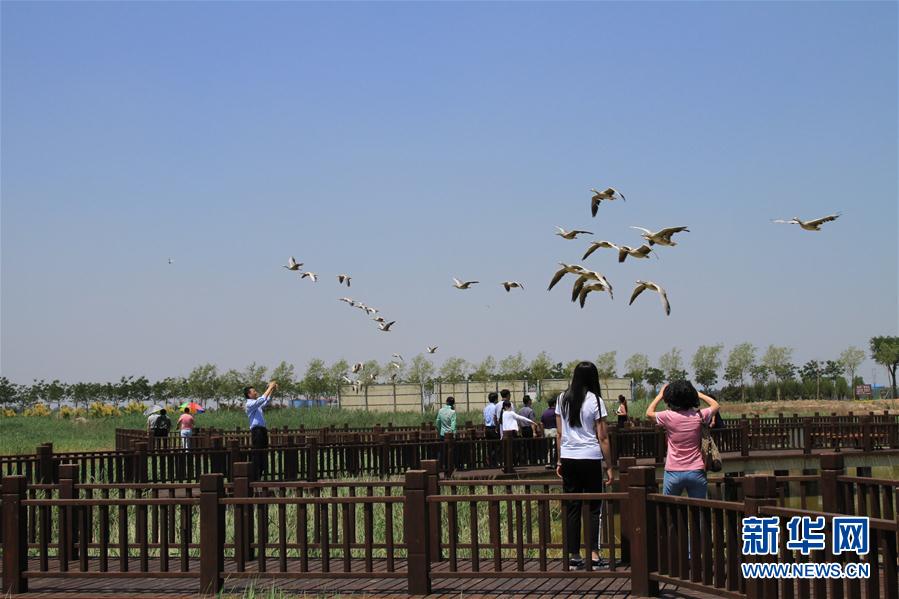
551, 586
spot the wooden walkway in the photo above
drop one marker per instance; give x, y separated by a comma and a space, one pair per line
579, 584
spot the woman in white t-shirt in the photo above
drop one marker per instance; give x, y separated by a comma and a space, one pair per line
511, 419
583, 441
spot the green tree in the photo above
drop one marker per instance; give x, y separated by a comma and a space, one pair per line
607, 365
541, 367
885, 351
333, 377
655, 377
9, 393
56, 393
316, 380
777, 360
513, 367
140, 389
485, 370
420, 370
454, 370
811, 371
254, 375
706, 363
833, 370
288, 389
739, 361
636, 367
672, 364
370, 372
851, 359
203, 383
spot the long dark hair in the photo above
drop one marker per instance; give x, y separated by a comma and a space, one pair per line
584, 379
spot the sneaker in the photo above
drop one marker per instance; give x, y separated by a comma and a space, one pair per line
599, 563
576, 563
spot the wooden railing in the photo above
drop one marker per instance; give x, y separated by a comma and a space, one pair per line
421, 529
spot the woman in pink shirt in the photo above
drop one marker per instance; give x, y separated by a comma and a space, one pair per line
186, 426
682, 421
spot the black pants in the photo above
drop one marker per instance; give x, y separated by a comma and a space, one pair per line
258, 441
527, 447
581, 476
492, 434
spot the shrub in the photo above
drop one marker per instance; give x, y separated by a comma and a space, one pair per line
135, 407
101, 410
8, 413
38, 410
69, 412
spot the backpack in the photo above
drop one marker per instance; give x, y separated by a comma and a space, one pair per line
162, 424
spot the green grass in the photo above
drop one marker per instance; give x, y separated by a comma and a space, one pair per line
22, 434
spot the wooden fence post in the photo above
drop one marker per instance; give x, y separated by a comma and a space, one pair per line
624, 466
643, 530
68, 478
15, 535
744, 437
212, 533
430, 467
867, 438
661, 446
291, 459
831, 466
417, 532
807, 436
311, 459
45, 464
384, 454
140, 462
243, 474
760, 490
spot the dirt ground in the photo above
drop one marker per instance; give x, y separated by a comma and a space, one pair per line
807, 407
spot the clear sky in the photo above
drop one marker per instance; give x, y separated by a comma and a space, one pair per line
408, 143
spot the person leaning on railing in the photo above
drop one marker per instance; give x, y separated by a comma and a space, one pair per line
682, 421
258, 431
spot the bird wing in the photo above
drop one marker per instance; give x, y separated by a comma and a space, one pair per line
578, 285
781, 221
637, 291
643, 250
667, 233
582, 296
824, 219
609, 191
594, 205
557, 277
647, 231
457, 281
579, 232
665, 302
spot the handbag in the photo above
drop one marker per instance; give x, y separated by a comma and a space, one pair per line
710, 454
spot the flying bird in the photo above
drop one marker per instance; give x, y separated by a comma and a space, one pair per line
370, 311
571, 234
312, 276
641, 252
598, 196
385, 326
347, 300
460, 285
643, 285
431, 350
595, 245
378, 319
509, 285
588, 275
347, 380
662, 237
171, 260
810, 225
566, 268
373, 377
344, 278
395, 365
358, 366
399, 357
292, 264
582, 295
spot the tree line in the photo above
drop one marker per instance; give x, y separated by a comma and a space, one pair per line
749, 374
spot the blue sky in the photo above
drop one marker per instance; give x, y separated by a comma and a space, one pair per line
407, 143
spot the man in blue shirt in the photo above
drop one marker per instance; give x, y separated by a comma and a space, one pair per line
491, 430
258, 432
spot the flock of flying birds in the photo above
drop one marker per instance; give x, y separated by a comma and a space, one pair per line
587, 280
590, 280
